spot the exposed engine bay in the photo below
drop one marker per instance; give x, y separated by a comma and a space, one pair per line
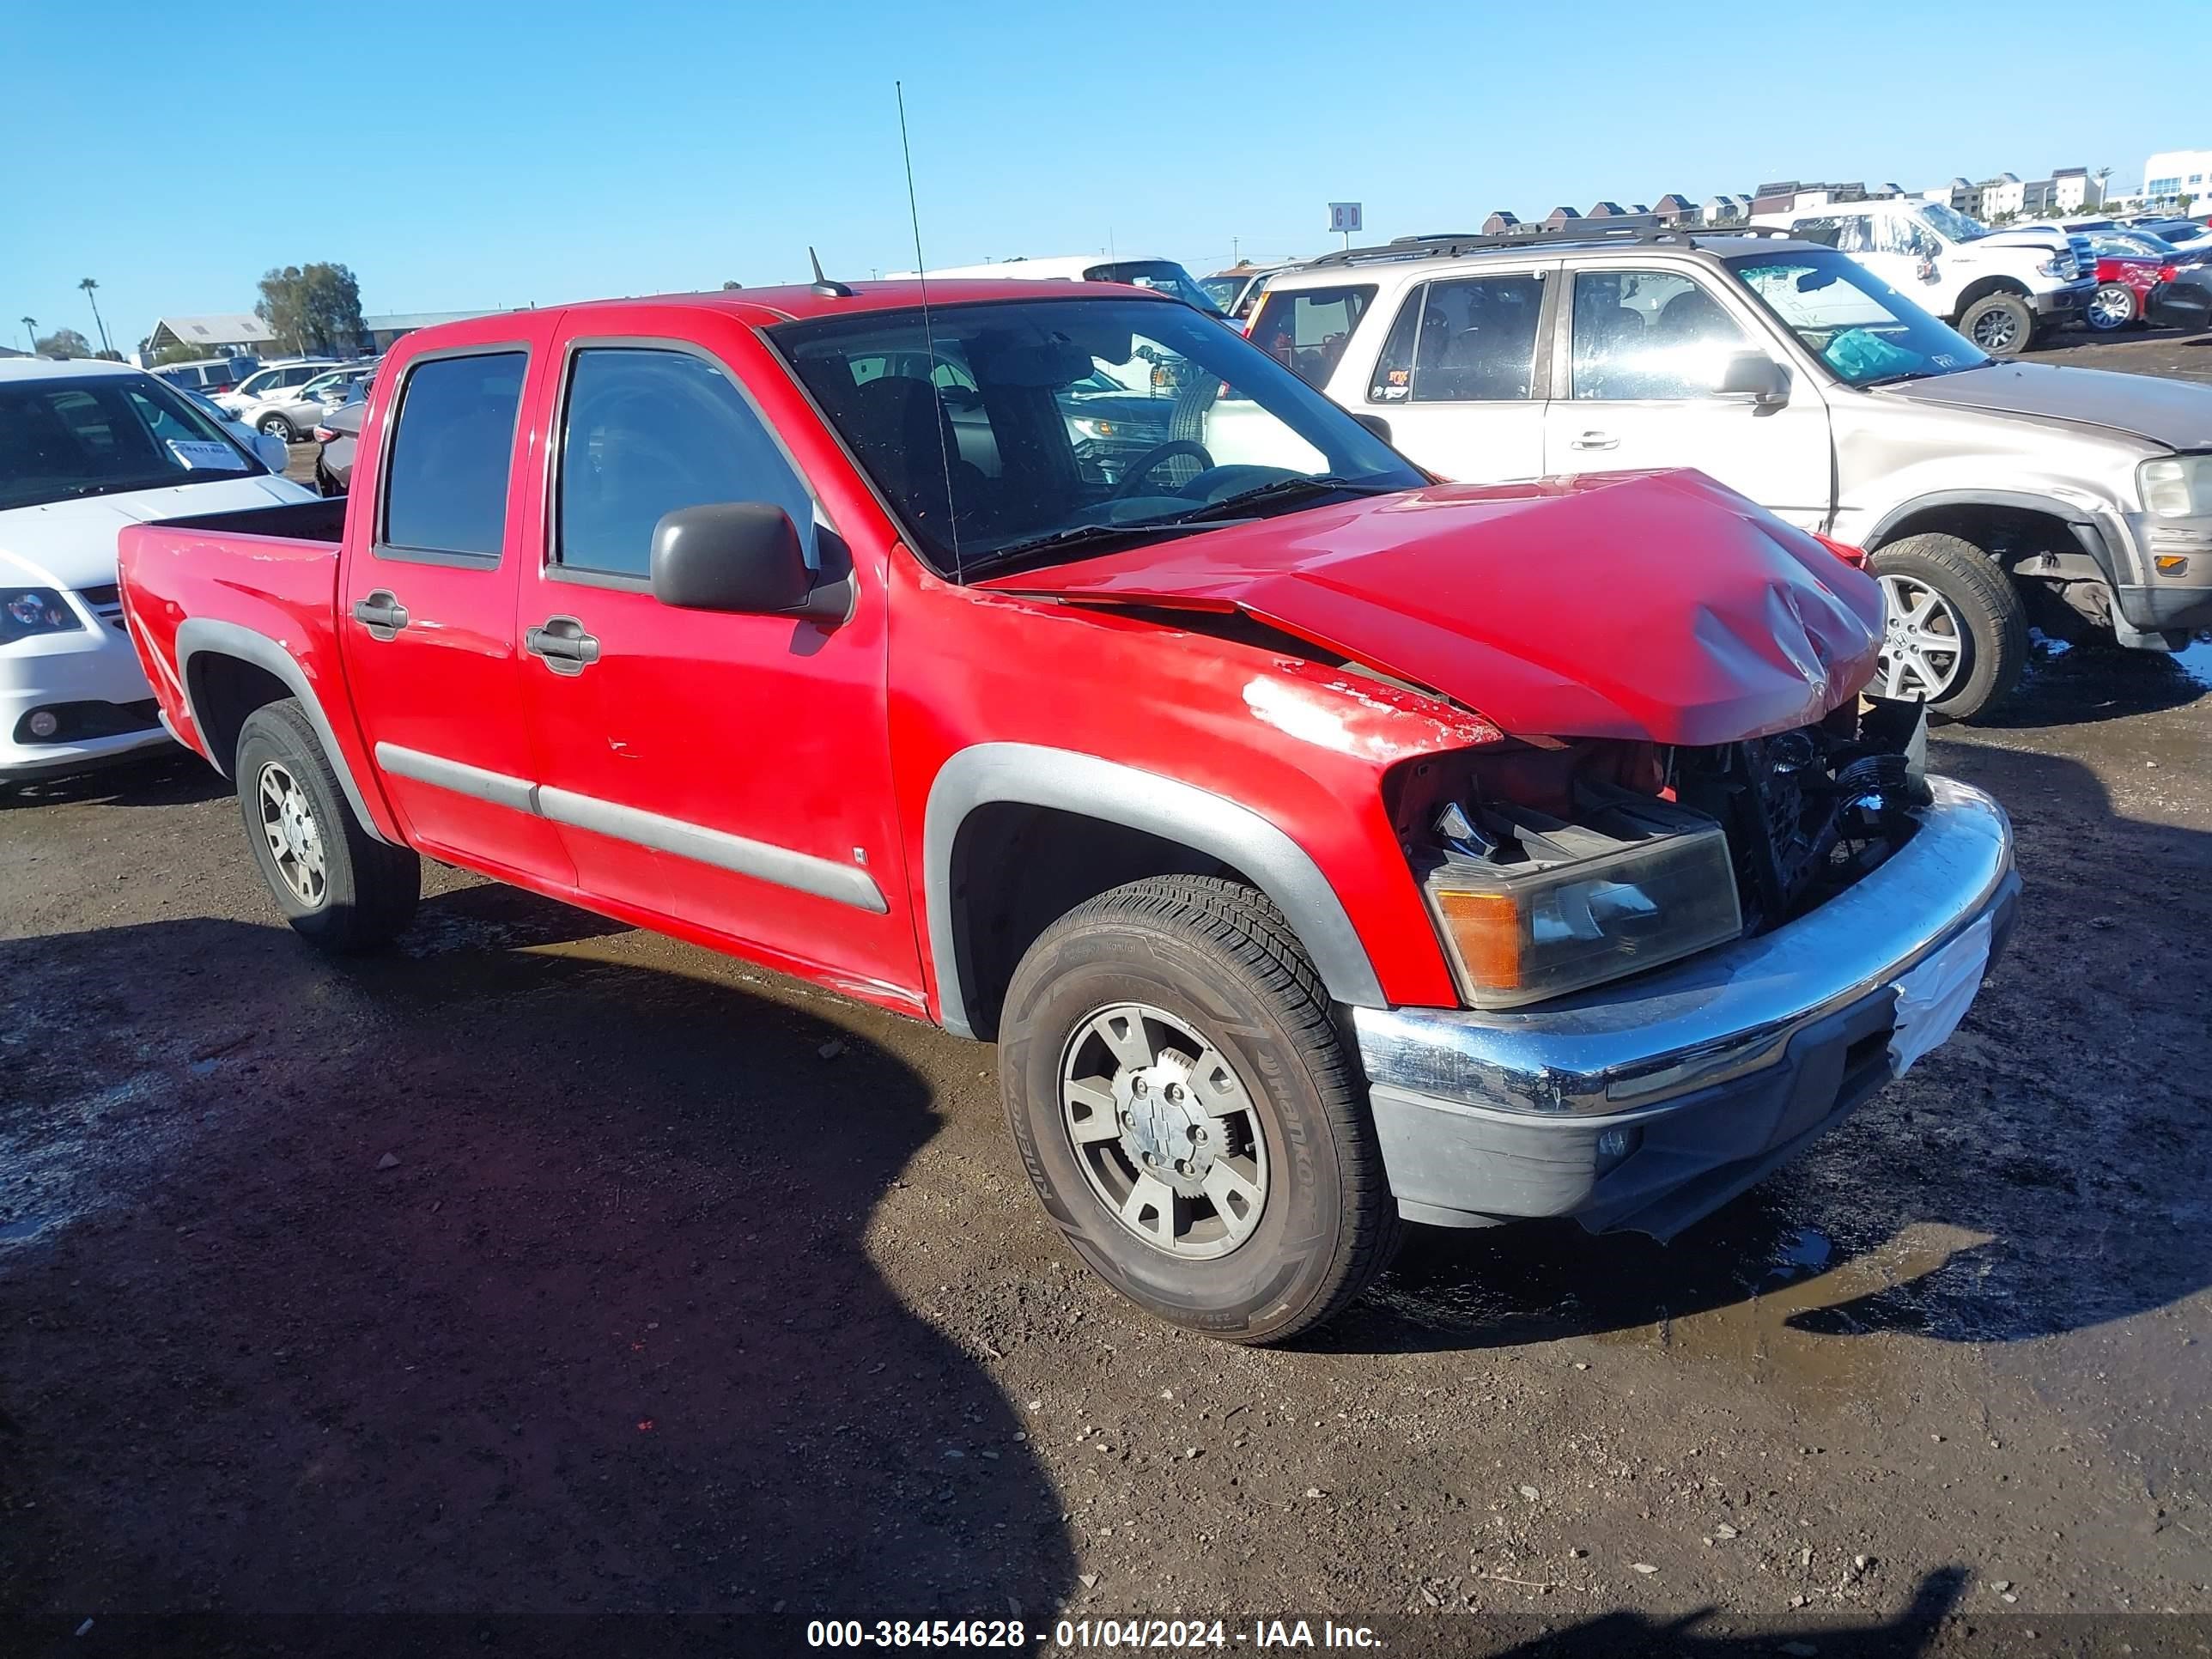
1553, 867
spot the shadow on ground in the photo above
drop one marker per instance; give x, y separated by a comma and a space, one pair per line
165, 777
493, 1275
2095, 681
2046, 1172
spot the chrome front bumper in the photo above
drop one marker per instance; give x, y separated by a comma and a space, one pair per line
1651, 1102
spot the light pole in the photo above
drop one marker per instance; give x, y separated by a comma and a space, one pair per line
98, 322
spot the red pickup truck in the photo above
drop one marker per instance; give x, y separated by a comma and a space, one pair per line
1322, 847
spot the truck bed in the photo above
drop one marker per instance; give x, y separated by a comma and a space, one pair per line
305, 522
259, 580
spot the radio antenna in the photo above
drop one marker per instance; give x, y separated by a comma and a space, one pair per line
929, 334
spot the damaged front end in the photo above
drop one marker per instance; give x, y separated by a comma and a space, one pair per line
1549, 869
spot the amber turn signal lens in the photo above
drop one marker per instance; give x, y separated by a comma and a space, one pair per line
2173, 564
1486, 928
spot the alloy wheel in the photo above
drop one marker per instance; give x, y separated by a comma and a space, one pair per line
295, 841
1166, 1133
1924, 644
2111, 307
1995, 329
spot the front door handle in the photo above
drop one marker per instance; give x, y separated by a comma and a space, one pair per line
562, 645
381, 614
1595, 441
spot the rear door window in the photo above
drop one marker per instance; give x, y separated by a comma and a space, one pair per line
1306, 329
445, 484
1470, 341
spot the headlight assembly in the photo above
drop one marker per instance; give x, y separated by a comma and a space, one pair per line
28, 611
2176, 486
1530, 907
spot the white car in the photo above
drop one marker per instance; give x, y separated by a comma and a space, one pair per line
272, 379
289, 415
2001, 288
85, 448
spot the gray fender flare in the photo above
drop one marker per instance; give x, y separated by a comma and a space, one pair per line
2088, 531
1034, 775
201, 635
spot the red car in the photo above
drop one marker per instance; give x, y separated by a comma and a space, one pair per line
2123, 291
1322, 847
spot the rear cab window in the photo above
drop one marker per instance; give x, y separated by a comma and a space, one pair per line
1306, 329
446, 480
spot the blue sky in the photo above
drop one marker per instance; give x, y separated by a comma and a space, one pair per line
471, 156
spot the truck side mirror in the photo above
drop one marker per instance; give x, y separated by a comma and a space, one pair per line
1754, 374
741, 556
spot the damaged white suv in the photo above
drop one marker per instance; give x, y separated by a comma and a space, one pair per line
1990, 493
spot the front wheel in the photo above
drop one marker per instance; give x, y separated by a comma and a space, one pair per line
2111, 306
2001, 323
1185, 1105
276, 426
337, 885
1954, 633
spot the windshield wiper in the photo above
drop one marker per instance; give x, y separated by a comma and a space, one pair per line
1282, 490
1088, 538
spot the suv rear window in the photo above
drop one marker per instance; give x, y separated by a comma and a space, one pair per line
1307, 329
446, 488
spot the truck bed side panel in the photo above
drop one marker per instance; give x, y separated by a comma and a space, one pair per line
192, 593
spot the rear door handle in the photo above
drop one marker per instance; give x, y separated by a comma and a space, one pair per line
562, 645
1595, 441
380, 613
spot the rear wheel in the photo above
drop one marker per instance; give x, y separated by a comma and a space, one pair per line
1188, 1112
337, 884
1954, 633
2111, 306
2001, 323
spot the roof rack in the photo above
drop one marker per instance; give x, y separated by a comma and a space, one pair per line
1445, 247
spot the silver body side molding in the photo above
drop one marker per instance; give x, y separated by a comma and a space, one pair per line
196, 635
1034, 775
781, 865
843, 884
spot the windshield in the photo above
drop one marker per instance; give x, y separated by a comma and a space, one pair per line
1163, 274
62, 438
1951, 223
1863, 329
1065, 425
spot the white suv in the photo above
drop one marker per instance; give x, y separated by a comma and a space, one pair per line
1991, 495
1998, 288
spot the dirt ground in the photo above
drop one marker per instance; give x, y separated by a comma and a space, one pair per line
542, 1267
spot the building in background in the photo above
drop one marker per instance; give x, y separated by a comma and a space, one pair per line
378, 332
2174, 173
219, 334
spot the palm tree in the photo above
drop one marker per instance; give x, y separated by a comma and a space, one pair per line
88, 285
31, 333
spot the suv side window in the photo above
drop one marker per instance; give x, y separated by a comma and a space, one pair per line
1470, 340
646, 430
1307, 329
1648, 334
444, 491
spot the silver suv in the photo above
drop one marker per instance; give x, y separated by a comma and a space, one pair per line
1991, 494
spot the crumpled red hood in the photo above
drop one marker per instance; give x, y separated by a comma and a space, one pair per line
1654, 606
